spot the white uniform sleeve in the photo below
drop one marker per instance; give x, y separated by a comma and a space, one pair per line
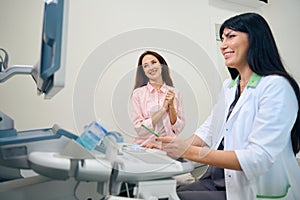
211, 130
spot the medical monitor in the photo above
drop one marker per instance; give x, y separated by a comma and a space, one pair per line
49, 73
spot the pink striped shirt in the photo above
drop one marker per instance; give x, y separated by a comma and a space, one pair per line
146, 101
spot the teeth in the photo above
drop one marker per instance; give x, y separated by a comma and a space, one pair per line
227, 54
153, 72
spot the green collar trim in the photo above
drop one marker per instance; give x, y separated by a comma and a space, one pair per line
253, 81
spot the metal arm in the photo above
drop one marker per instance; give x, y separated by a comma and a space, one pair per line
15, 69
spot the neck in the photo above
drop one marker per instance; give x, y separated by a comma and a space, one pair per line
156, 85
245, 75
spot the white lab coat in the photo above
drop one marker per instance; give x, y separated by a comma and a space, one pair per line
258, 130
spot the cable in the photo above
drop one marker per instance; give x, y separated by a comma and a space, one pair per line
1, 62
75, 189
4, 61
127, 189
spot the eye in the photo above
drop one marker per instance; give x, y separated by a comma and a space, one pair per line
231, 35
153, 62
144, 66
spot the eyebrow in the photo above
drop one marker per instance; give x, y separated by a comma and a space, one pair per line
227, 34
150, 61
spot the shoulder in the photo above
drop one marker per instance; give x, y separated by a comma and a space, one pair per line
274, 81
277, 87
175, 90
227, 82
171, 88
139, 90
274, 78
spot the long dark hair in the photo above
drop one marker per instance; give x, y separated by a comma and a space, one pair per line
263, 56
141, 79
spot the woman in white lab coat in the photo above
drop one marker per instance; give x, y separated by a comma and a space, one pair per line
250, 139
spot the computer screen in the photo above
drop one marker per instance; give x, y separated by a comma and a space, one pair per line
49, 73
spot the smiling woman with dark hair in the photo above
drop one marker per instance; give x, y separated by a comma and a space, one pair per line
251, 153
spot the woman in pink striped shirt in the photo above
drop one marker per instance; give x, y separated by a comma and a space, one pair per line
155, 102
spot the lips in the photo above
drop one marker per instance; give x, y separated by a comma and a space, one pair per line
153, 72
227, 54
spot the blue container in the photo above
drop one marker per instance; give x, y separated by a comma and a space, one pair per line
92, 136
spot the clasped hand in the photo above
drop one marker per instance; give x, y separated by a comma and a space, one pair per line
169, 99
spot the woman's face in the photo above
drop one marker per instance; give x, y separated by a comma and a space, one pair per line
152, 67
234, 48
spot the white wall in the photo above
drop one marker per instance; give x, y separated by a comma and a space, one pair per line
105, 39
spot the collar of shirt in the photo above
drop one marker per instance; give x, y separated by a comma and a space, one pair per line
253, 81
163, 88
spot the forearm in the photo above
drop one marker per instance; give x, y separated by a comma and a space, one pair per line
195, 141
158, 115
218, 158
172, 115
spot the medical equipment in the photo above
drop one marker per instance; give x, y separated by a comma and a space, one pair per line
92, 135
55, 154
60, 167
49, 73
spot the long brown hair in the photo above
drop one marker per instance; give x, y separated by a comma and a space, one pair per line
141, 79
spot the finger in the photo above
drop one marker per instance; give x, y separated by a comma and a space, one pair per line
171, 93
155, 146
146, 145
164, 139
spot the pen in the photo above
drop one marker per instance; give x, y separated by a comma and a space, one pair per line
148, 129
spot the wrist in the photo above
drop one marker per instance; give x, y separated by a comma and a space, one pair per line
171, 105
191, 153
163, 109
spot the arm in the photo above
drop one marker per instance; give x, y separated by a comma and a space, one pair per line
169, 107
138, 117
172, 114
195, 147
179, 148
175, 111
141, 113
218, 158
268, 133
158, 115
195, 141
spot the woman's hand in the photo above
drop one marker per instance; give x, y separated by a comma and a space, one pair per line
168, 102
174, 146
152, 146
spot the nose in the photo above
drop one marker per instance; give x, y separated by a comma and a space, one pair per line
223, 45
151, 65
